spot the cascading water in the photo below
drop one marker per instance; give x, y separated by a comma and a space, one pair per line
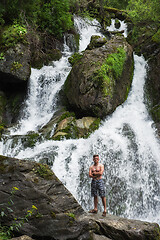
125, 141
42, 97
123, 27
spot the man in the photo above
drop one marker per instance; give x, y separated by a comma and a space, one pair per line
97, 185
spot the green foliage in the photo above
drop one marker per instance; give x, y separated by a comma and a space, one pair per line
54, 17
111, 70
94, 126
44, 171
144, 10
71, 215
6, 232
13, 34
156, 37
16, 66
66, 115
117, 4
51, 16
32, 139
2, 56
115, 62
75, 58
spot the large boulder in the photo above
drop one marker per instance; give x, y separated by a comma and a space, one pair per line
15, 64
117, 228
101, 78
35, 203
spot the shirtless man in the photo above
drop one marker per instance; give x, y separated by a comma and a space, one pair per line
97, 185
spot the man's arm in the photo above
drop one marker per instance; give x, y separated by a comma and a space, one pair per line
100, 172
91, 173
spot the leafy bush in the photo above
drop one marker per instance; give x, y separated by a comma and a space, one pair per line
117, 4
55, 18
144, 10
13, 34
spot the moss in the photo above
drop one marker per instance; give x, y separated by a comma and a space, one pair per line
2, 158
157, 233
110, 71
156, 37
16, 66
1, 56
32, 139
1, 129
94, 126
44, 171
75, 58
156, 113
13, 34
53, 215
66, 115
71, 215
5, 167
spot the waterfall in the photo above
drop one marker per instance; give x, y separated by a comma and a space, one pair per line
125, 142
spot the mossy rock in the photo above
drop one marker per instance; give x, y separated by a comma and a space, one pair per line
101, 79
31, 139
44, 171
155, 111
117, 24
96, 42
46, 58
74, 58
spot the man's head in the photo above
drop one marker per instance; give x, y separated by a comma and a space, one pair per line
96, 158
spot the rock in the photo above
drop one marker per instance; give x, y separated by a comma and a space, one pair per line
100, 80
15, 67
24, 237
100, 237
117, 24
65, 125
2, 106
116, 228
33, 188
153, 89
56, 208
96, 41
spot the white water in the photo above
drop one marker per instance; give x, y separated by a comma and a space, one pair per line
123, 26
125, 141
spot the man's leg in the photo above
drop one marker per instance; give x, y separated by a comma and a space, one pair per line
104, 203
95, 202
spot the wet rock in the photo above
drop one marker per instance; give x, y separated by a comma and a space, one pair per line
153, 89
116, 228
117, 24
15, 66
100, 80
66, 125
96, 41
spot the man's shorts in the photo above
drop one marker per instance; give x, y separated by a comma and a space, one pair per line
97, 188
